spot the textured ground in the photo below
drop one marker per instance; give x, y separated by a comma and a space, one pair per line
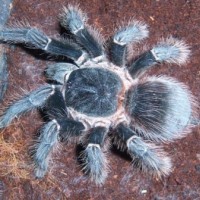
178, 18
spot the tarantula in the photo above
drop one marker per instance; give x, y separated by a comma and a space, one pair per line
97, 96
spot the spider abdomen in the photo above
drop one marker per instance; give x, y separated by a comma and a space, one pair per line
93, 91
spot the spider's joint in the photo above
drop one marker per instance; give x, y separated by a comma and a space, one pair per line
131, 139
118, 42
93, 145
53, 89
154, 55
55, 122
49, 41
81, 59
122, 120
78, 29
98, 59
102, 123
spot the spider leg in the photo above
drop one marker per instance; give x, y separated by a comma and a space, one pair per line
36, 39
74, 20
51, 134
94, 159
32, 100
146, 156
47, 140
3, 74
60, 128
169, 50
55, 107
59, 71
134, 32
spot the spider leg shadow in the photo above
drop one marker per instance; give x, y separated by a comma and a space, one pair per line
120, 153
40, 54
78, 151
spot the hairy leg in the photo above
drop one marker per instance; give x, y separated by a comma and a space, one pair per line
59, 71
30, 101
146, 156
51, 134
36, 39
169, 50
134, 32
94, 159
74, 20
59, 128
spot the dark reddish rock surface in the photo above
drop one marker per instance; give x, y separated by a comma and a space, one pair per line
178, 18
